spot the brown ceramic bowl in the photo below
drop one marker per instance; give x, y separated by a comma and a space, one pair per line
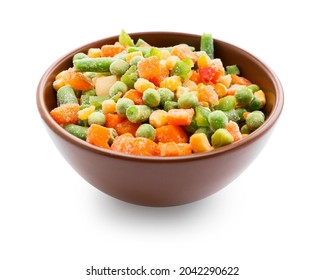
158, 181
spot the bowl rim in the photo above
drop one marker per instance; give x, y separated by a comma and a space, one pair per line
57, 129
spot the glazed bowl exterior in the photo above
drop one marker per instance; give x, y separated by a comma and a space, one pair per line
159, 181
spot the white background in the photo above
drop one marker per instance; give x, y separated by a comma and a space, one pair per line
268, 222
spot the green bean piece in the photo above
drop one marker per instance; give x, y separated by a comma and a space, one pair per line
113, 134
221, 137
100, 64
243, 95
232, 115
121, 56
146, 130
202, 114
138, 113
254, 120
207, 44
253, 87
144, 50
165, 95
116, 88
66, 95
181, 69
118, 67
84, 99
90, 75
97, 118
97, 101
140, 43
168, 105
130, 77
122, 105
125, 39
226, 103
188, 100
217, 119
151, 97
191, 128
77, 130
79, 56
232, 69
155, 52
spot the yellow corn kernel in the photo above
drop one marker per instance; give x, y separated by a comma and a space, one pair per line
108, 106
158, 118
181, 90
85, 113
204, 104
225, 80
199, 143
220, 89
60, 75
261, 96
142, 84
171, 61
57, 84
130, 56
172, 83
203, 61
244, 135
94, 52
164, 54
191, 85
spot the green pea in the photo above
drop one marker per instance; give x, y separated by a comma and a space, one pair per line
117, 87
97, 118
226, 103
217, 119
232, 115
165, 95
221, 137
151, 97
192, 127
254, 120
243, 95
118, 67
245, 129
188, 100
253, 87
122, 105
146, 130
240, 112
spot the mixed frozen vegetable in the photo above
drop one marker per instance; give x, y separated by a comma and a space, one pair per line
143, 100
